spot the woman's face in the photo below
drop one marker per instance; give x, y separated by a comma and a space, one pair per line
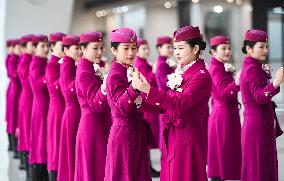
17, 50
10, 49
93, 51
125, 52
184, 53
166, 50
29, 48
57, 48
42, 49
74, 52
223, 52
259, 51
143, 51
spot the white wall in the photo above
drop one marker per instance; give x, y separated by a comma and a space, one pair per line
37, 16
240, 21
159, 21
149, 16
84, 21
3, 79
19, 17
3, 84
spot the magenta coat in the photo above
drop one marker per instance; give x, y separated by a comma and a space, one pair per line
127, 149
70, 121
162, 70
25, 103
183, 148
224, 126
9, 85
38, 153
95, 122
152, 118
55, 112
13, 94
259, 154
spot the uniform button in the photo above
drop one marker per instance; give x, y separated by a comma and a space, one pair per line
44, 81
72, 89
129, 101
100, 102
157, 104
56, 86
232, 92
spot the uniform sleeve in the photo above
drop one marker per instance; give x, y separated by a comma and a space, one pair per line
197, 89
25, 69
146, 107
261, 89
146, 71
38, 75
226, 87
7, 61
69, 79
121, 94
55, 82
164, 70
91, 90
14, 69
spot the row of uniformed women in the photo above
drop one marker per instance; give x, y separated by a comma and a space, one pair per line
248, 153
119, 150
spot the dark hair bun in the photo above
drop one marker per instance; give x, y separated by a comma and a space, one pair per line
202, 45
244, 50
247, 43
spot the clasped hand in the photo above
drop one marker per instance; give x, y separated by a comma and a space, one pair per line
139, 82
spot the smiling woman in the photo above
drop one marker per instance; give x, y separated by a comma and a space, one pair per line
127, 150
186, 103
95, 120
38, 152
260, 124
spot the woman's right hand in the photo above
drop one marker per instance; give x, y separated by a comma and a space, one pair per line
237, 79
103, 86
278, 78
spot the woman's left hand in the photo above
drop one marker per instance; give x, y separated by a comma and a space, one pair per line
141, 82
237, 79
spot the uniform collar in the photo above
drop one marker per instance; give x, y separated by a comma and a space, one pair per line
251, 60
198, 66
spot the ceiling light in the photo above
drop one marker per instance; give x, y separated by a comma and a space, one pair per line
218, 9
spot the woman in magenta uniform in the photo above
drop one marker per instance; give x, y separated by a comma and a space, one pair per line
14, 94
224, 126
127, 149
95, 122
56, 104
186, 103
38, 155
25, 100
146, 70
259, 154
164, 46
72, 112
10, 50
